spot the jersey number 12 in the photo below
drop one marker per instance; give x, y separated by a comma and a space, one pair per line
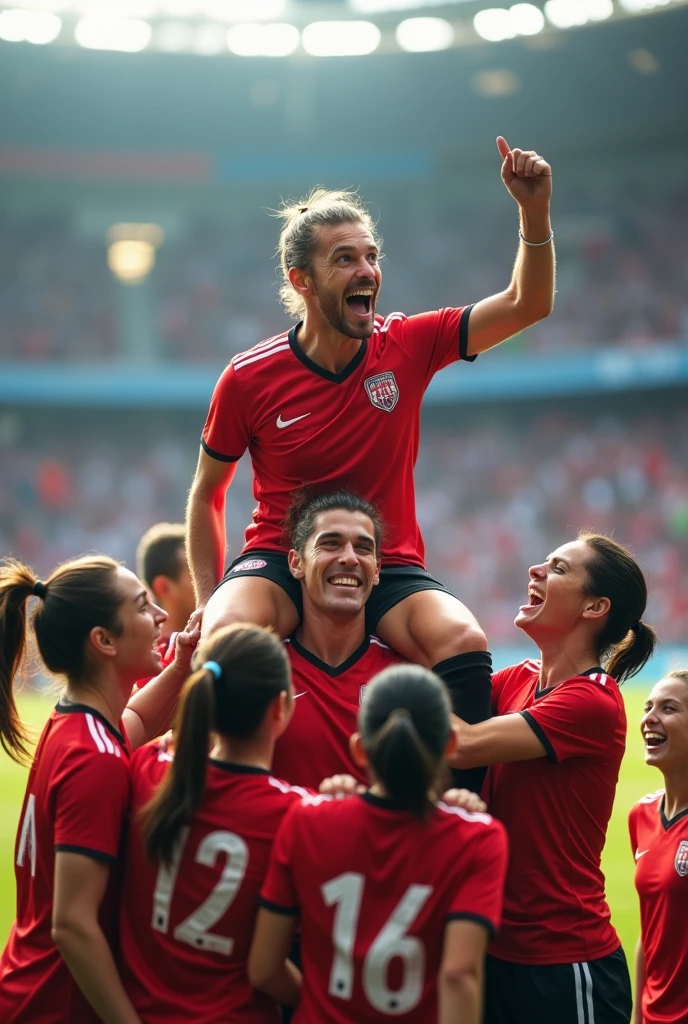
195, 929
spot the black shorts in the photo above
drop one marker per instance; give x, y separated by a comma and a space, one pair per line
396, 582
592, 992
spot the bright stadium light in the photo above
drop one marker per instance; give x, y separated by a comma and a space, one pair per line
424, 34
494, 24
527, 19
275, 40
116, 8
570, 13
129, 35
340, 38
638, 6
241, 10
209, 39
131, 250
174, 36
21, 26
385, 6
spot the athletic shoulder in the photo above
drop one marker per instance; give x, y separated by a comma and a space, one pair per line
261, 356
649, 800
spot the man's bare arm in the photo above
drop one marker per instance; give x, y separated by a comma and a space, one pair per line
530, 294
205, 524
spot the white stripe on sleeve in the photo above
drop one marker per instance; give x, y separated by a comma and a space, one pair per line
94, 733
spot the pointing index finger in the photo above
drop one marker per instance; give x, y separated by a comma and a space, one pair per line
503, 147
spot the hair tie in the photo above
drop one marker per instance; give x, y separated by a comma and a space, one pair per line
213, 667
636, 626
39, 589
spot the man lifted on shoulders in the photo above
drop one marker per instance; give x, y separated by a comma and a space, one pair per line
335, 402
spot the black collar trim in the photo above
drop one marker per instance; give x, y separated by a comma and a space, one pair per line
588, 672
329, 670
667, 823
68, 709
240, 769
336, 378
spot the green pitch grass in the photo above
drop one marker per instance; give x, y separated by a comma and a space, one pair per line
636, 780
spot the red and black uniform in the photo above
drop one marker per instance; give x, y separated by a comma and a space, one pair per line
76, 802
355, 430
660, 848
315, 744
556, 926
185, 931
374, 888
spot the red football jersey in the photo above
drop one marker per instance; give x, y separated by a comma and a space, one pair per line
556, 811
76, 801
357, 429
315, 744
660, 848
374, 888
185, 932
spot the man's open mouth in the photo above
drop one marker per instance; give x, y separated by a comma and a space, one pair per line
360, 301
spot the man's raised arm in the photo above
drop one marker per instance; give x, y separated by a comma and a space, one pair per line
530, 295
205, 525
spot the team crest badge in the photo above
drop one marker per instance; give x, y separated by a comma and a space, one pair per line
382, 391
251, 563
681, 861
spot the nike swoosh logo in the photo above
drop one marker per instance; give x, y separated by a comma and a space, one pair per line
302, 694
281, 424
640, 853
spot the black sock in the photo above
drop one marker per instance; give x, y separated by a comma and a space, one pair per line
468, 677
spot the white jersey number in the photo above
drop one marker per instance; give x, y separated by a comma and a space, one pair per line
196, 928
27, 839
346, 893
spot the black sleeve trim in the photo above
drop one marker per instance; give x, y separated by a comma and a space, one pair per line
463, 336
106, 858
541, 735
478, 918
277, 909
216, 455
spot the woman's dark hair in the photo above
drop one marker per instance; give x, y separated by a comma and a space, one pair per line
307, 506
249, 669
626, 643
405, 722
78, 596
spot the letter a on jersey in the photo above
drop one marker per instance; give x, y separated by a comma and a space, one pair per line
681, 861
382, 391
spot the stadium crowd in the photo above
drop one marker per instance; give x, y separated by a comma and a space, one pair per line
214, 297
533, 481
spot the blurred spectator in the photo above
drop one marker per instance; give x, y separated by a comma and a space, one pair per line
494, 495
622, 275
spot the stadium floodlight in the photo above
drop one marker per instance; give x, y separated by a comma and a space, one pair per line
209, 39
570, 13
241, 10
638, 6
116, 8
276, 40
131, 250
179, 8
174, 36
340, 38
527, 19
418, 35
129, 35
22, 26
494, 24
385, 6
